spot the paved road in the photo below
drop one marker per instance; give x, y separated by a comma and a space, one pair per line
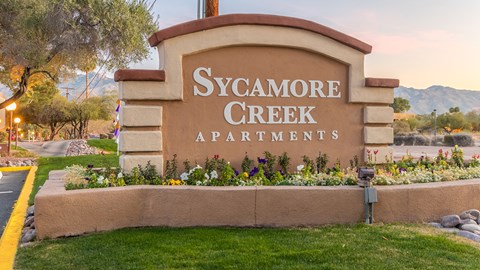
431, 151
47, 149
10, 186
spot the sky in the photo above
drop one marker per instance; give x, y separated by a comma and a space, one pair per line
421, 43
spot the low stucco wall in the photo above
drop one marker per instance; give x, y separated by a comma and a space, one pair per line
62, 213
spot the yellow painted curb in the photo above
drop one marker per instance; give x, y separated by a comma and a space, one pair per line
15, 169
13, 230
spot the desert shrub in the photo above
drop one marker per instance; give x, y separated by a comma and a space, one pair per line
411, 139
400, 127
461, 140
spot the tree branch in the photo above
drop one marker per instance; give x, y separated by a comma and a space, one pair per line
45, 72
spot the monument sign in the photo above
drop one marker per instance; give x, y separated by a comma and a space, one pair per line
247, 83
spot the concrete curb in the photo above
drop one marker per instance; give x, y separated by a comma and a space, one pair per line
13, 230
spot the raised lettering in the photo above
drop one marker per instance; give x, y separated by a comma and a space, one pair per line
333, 91
227, 113
293, 88
305, 115
223, 86
272, 86
235, 87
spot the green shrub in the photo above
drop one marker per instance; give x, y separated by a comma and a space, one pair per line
411, 139
461, 140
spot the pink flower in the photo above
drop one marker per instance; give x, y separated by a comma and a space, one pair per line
368, 151
375, 152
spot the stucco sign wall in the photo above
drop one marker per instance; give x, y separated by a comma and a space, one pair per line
237, 84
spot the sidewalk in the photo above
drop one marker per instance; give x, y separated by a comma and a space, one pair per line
431, 151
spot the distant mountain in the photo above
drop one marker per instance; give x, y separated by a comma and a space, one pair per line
424, 101
99, 86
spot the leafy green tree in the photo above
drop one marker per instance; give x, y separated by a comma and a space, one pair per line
45, 108
452, 121
473, 118
400, 105
44, 39
454, 110
93, 108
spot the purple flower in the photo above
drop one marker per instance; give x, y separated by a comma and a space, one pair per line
253, 171
262, 160
236, 172
90, 166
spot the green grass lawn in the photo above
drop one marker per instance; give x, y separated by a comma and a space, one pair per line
332, 247
46, 164
105, 144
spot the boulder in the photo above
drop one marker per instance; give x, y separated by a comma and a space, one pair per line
31, 211
467, 221
28, 221
470, 214
469, 235
450, 221
470, 227
436, 225
450, 230
29, 236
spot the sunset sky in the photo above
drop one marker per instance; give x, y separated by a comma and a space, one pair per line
422, 43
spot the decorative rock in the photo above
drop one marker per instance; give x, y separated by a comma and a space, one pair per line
28, 221
32, 225
436, 225
470, 227
80, 147
469, 235
29, 236
31, 210
470, 214
467, 221
450, 230
450, 221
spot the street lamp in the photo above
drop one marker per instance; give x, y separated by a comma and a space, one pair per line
17, 121
435, 127
10, 108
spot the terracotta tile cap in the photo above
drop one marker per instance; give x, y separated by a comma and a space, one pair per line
139, 75
256, 19
380, 82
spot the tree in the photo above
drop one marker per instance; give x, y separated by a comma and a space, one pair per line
93, 108
454, 110
45, 108
452, 121
43, 39
400, 105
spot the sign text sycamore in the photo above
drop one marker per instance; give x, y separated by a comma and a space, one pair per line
239, 112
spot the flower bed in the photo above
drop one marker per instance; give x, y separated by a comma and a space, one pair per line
274, 171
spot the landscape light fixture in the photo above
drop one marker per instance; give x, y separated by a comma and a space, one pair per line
10, 108
365, 176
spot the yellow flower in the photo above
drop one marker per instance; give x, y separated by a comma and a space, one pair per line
245, 174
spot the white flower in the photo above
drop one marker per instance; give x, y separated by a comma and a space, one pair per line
206, 176
184, 176
100, 179
119, 175
300, 167
214, 174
